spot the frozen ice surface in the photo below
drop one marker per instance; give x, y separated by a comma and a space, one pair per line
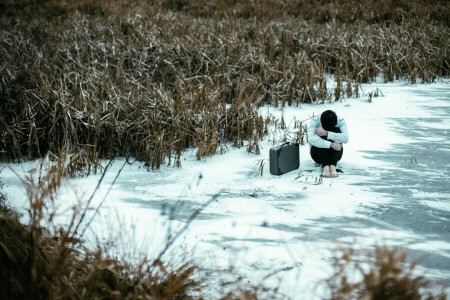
394, 191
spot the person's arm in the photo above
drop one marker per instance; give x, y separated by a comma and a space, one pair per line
339, 137
313, 138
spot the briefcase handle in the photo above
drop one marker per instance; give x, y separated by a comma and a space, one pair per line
284, 144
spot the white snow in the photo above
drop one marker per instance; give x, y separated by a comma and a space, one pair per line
264, 224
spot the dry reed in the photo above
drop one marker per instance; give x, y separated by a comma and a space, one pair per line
384, 274
136, 79
46, 260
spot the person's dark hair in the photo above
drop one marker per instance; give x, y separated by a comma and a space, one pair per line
328, 120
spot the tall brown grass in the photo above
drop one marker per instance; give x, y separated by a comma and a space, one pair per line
45, 259
93, 94
384, 273
136, 79
320, 11
37, 263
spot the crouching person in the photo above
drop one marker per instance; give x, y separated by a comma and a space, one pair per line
326, 134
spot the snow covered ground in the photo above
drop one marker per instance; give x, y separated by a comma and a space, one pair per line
283, 230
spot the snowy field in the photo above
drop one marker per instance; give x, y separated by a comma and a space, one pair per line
283, 230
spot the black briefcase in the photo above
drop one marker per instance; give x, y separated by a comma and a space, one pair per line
284, 158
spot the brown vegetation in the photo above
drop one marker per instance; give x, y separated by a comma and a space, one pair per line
82, 80
44, 261
385, 274
137, 79
41, 261
321, 11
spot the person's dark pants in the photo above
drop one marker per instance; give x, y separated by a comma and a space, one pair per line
327, 156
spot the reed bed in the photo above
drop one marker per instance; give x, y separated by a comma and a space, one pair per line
139, 79
320, 11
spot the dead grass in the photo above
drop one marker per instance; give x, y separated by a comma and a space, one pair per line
148, 81
385, 274
320, 11
43, 260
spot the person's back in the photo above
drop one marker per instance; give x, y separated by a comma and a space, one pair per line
326, 134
